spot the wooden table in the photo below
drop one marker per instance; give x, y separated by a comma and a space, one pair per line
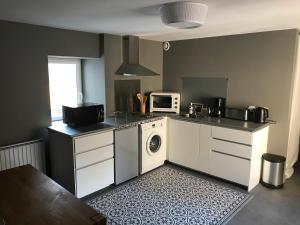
28, 197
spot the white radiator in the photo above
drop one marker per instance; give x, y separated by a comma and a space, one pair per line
30, 152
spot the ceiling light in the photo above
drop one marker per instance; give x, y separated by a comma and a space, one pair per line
183, 15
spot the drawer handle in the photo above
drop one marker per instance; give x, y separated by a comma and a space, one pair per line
223, 153
79, 168
234, 142
92, 149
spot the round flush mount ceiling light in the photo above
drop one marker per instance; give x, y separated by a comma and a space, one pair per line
183, 15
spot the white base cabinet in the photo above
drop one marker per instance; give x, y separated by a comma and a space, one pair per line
82, 164
230, 154
230, 167
185, 150
95, 177
189, 144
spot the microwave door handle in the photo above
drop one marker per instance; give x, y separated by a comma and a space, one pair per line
100, 114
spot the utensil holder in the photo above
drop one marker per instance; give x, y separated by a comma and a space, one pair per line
143, 107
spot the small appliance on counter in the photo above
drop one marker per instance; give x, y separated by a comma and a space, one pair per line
236, 113
218, 109
165, 102
258, 114
261, 115
83, 114
195, 109
251, 113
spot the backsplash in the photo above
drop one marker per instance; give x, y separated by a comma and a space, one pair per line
125, 95
202, 90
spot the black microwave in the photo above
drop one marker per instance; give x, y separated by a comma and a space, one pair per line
83, 114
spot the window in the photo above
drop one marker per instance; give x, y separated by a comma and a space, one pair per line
65, 84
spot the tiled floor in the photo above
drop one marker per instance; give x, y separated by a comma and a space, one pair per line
272, 207
170, 195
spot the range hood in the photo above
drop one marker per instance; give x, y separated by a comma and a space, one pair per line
131, 65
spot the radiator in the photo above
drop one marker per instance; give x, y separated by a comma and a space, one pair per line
30, 152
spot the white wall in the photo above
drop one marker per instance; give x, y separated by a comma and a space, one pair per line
294, 131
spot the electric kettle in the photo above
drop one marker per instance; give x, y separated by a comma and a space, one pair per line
261, 114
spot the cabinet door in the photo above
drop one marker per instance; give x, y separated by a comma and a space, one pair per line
94, 156
230, 167
95, 177
203, 163
183, 143
126, 154
93, 141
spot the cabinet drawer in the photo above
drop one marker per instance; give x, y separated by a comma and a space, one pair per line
94, 156
93, 141
93, 178
230, 168
230, 148
233, 135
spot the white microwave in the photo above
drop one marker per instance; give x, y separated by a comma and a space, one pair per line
165, 102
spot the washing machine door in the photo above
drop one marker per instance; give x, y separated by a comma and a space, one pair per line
153, 143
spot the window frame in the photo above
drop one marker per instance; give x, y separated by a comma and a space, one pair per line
66, 60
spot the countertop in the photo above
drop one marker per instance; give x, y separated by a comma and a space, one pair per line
60, 127
224, 122
110, 123
125, 121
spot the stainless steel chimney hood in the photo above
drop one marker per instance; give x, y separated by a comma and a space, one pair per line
131, 65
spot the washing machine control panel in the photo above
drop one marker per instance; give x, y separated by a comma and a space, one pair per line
152, 125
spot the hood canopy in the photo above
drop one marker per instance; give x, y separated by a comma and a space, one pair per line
131, 65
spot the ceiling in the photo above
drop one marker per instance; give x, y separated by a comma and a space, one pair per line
141, 17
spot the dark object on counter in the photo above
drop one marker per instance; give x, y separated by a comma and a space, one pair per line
261, 115
195, 109
251, 113
272, 173
30, 197
83, 114
236, 114
218, 110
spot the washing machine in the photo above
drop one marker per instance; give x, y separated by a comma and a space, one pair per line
153, 146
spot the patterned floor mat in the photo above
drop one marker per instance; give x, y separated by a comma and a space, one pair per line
170, 196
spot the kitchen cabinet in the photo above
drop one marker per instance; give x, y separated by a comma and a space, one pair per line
203, 161
126, 154
230, 167
94, 177
236, 155
188, 144
230, 154
82, 164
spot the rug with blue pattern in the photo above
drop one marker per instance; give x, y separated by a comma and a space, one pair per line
170, 196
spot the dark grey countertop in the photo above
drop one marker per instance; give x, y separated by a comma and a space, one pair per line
224, 122
109, 123
126, 121
60, 127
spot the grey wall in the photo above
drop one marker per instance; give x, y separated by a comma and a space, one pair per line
259, 66
151, 55
24, 88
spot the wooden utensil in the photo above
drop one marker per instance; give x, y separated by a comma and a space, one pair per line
143, 100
